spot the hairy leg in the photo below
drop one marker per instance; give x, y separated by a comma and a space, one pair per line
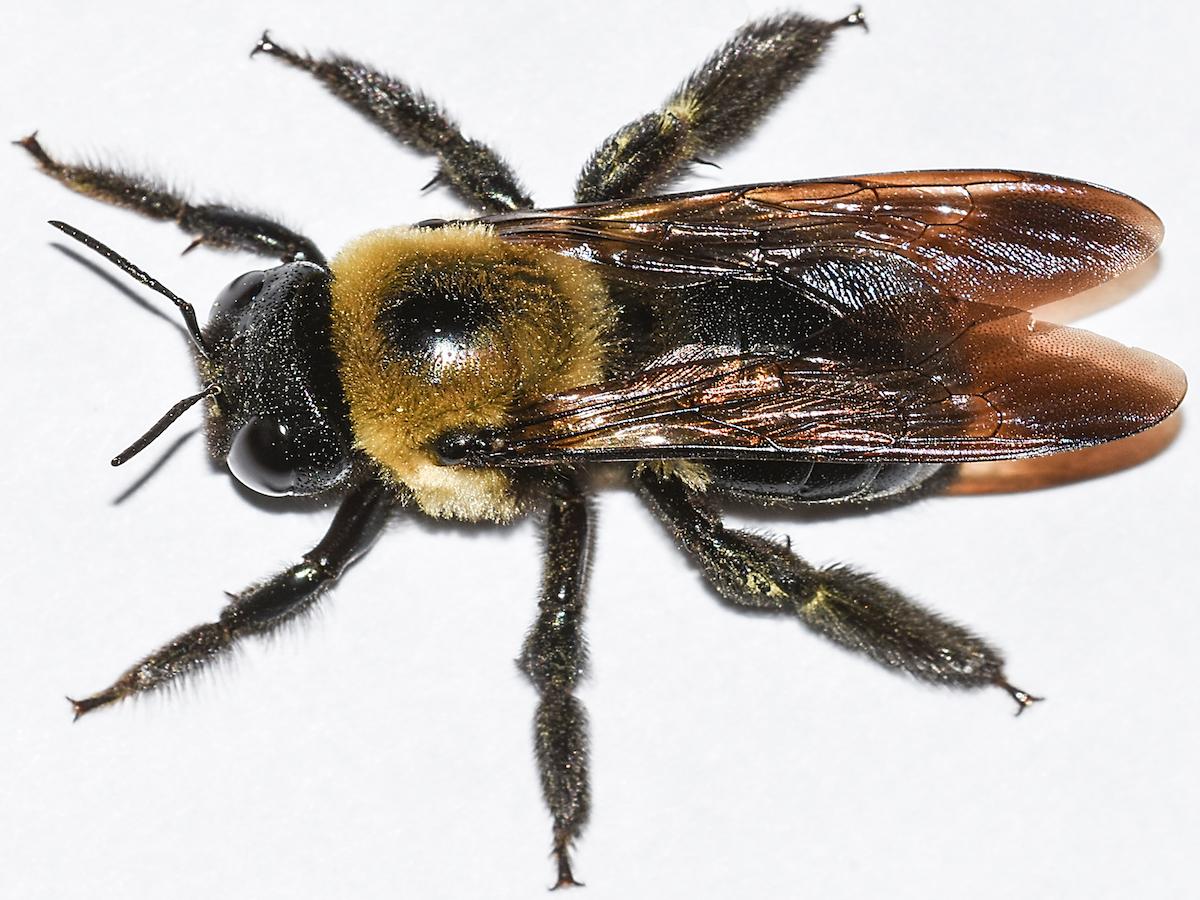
220, 227
266, 606
554, 657
472, 170
718, 105
849, 608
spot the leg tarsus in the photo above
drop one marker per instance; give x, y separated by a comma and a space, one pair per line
562, 858
188, 653
1023, 698
264, 45
87, 704
855, 19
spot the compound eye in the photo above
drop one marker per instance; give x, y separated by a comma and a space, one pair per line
238, 294
263, 459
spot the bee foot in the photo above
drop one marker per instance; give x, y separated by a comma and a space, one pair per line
1024, 699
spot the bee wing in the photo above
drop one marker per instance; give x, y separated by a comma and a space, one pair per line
1004, 389
924, 279
1005, 238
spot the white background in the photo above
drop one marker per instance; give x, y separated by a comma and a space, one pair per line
382, 748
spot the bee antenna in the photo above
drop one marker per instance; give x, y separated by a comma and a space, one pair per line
185, 308
161, 425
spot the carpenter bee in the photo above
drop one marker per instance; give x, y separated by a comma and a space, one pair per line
836, 342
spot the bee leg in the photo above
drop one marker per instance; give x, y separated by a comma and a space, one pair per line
849, 608
554, 658
472, 170
220, 227
719, 104
264, 607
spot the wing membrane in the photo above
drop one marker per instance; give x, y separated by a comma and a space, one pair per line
929, 355
1003, 238
1065, 389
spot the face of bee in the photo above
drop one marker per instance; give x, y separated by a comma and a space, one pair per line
279, 420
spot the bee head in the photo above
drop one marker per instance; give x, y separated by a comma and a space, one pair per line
276, 414
280, 420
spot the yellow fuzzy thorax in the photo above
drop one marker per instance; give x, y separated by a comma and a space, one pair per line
545, 334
